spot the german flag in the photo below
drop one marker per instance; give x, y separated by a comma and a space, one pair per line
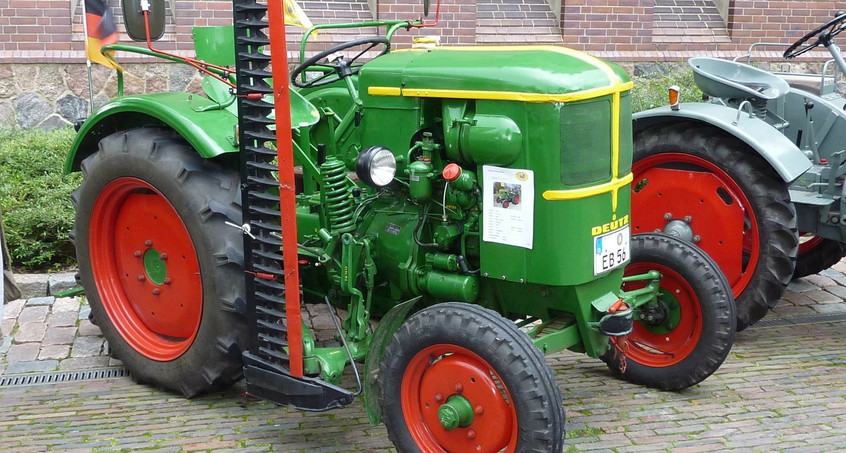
100, 25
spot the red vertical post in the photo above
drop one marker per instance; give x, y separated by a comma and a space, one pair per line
287, 191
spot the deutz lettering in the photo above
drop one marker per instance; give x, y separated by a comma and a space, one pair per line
610, 226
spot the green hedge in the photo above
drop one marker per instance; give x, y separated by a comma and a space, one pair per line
35, 198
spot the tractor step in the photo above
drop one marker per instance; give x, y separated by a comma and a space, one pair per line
275, 384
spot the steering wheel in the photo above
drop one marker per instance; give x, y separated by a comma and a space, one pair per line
339, 67
823, 36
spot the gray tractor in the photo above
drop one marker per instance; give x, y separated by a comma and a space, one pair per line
754, 174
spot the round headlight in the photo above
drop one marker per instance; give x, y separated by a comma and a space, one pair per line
376, 166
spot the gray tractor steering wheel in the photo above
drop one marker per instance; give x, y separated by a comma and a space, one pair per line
823, 36
334, 71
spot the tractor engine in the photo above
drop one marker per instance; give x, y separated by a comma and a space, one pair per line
455, 145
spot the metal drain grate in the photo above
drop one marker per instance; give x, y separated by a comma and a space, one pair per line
17, 380
800, 320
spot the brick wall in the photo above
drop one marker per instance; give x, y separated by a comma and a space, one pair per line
42, 57
47, 31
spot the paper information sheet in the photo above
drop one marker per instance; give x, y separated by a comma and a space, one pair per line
509, 206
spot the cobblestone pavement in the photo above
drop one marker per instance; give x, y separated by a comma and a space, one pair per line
781, 389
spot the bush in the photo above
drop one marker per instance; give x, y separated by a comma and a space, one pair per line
35, 198
649, 92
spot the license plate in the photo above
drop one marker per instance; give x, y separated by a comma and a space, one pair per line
611, 250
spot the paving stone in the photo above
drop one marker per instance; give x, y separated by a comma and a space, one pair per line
68, 318
830, 308
29, 332
7, 326
83, 363
54, 351
32, 366
22, 352
5, 344
87, 328
33, 314
84, 312
37, 301
801, 285
12, 309
66, 304
819, 280
87, 346
59, 335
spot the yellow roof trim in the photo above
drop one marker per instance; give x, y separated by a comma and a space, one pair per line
515, 95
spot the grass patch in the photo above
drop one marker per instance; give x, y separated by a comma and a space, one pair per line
35, 198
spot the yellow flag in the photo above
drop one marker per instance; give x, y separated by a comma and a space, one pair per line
294, 15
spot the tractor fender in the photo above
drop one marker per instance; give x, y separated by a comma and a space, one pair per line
203, 123
382, 335
782, 154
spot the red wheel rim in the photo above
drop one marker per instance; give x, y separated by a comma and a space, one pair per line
721, 214
146, 270
659, 349
440, 371
808, 242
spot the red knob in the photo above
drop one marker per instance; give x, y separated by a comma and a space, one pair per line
452, 172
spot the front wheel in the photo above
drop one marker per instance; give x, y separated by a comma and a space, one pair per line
685, 335
459, 377
161, 269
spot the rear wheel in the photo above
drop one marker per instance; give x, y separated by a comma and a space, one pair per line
684, 336
817, 254
459, 377
161, 270
707, 187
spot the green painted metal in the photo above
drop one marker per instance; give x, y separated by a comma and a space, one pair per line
383, 333
215, 44
155, 266
456, 412
210, 132
503, 69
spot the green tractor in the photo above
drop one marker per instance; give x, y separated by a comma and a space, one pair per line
198, 242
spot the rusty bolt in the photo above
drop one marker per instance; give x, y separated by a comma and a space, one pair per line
156, 291
668, 216
438, 397
479, 410
141, 278
687, 219
137, 253
163, 256
148, 243
458, 387
471, 434
167, 281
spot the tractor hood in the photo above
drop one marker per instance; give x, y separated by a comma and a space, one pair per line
527, 73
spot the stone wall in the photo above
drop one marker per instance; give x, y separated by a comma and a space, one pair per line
48, 96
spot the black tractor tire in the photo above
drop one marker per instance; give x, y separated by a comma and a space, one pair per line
770, 245
817, 255
462, 349
161, 270
677, 354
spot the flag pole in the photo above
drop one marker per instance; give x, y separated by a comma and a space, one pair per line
87, 60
